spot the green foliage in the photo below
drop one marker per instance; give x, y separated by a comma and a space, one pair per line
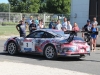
8, 23
4, 7
42, 6
25, 6
58, 6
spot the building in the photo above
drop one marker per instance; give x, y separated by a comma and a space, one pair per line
82, 10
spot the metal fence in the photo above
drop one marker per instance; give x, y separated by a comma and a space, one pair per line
15, 17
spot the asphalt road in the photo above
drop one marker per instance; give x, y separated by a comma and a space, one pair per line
89, 64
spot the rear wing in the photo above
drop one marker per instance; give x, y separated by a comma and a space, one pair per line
74, 33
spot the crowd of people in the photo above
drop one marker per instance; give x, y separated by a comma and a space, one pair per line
65, 26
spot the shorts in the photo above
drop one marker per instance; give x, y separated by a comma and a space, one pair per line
93, 37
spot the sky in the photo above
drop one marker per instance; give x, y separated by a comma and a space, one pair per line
3, 1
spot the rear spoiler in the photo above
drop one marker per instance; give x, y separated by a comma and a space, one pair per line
75, 32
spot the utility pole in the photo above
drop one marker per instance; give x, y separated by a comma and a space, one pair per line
9, 12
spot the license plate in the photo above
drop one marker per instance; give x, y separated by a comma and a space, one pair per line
81, 50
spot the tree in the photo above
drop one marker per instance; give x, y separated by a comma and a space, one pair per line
4, 7
42, 6
58, 6
25, 6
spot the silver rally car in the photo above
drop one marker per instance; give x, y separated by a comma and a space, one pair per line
48, 42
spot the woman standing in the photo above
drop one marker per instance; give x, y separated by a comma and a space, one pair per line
93, 37
75, 27
40, 25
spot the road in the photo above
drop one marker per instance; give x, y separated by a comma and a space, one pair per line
90, 64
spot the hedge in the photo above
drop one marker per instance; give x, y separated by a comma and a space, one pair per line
8, 23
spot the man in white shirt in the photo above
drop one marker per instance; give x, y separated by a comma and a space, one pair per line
69, 26
58, 26
64, 25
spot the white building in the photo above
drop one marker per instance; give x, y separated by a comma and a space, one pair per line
82, 10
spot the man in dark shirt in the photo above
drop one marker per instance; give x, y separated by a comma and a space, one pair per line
52, 24
21, 27
32, 26
87, 27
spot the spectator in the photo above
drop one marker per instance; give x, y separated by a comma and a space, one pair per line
42, 22
23, 19
37, 20
30, 20
75, 27
40, 25
95, 21
32, 26
69, 26
21, 27
93, 37
58, 26
52, 24
87, 27
64, 25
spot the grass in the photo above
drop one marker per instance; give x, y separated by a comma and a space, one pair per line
8, 30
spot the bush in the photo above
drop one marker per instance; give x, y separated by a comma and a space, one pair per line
8, 23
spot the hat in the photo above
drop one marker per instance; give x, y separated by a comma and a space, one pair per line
88, 20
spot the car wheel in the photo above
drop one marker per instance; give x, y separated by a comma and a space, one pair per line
50, 52
12, 48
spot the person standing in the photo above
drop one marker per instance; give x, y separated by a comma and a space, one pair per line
40, 25
30, 20
75, 27
93, 37
69, 26
58, 26
95, 21
52, 24
37, 20
86, 27
64, 25
32, 26
21, 27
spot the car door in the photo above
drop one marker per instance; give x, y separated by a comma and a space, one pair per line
30, 42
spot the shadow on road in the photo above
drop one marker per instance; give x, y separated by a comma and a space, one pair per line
40, 58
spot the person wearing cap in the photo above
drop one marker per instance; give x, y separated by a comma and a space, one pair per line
21, 27
32, 26
87, 27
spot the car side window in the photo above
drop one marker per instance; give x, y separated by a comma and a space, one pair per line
37, 34
47, 35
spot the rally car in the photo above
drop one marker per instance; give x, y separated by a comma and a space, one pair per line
48, 42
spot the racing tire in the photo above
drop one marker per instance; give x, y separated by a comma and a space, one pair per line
50, 52
12, 48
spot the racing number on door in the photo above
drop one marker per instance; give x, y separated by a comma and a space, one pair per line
26, 44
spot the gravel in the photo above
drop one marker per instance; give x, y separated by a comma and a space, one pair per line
13, 68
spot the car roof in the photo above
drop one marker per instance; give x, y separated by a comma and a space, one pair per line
48, 30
